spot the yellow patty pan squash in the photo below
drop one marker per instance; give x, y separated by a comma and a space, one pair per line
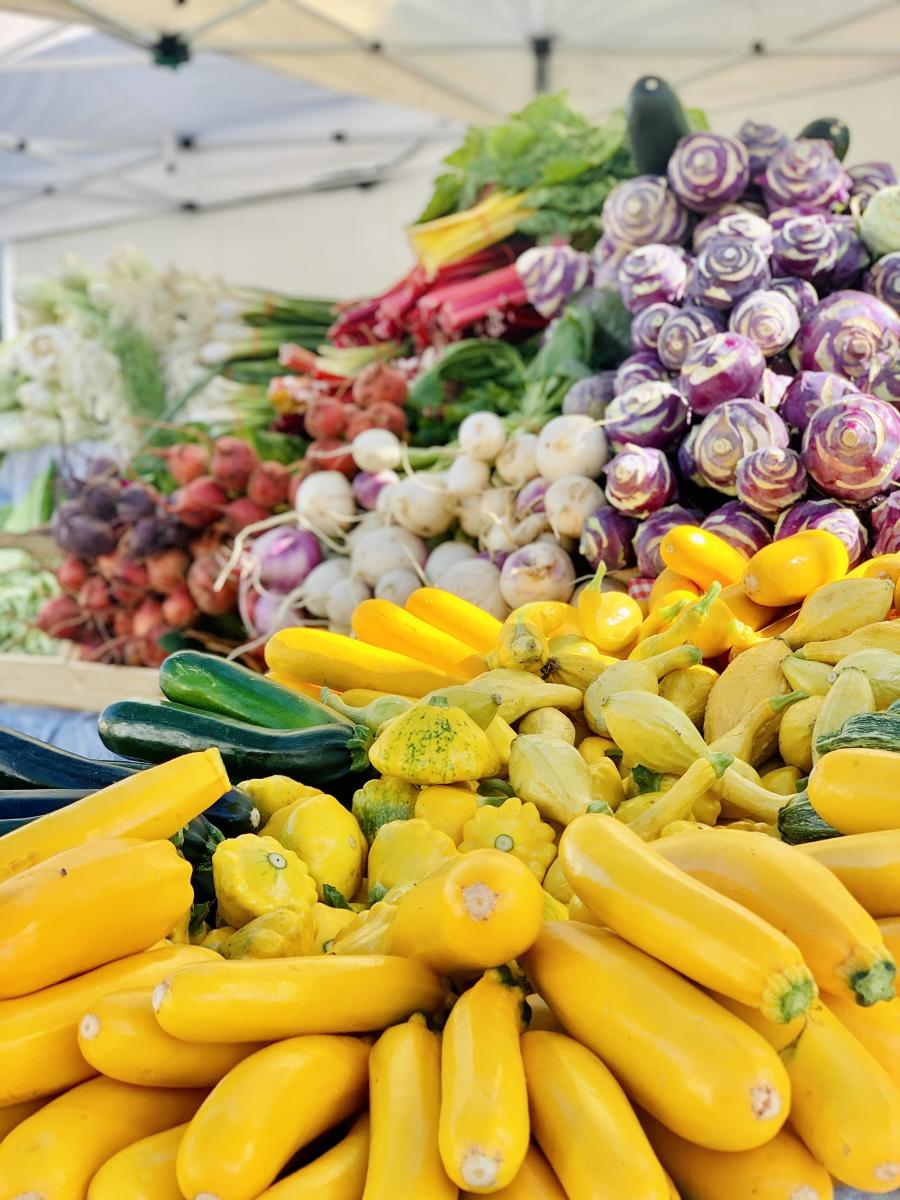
255, 875
434, 743
405, 852
327, 837
515, 828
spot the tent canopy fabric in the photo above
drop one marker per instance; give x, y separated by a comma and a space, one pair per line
261, 96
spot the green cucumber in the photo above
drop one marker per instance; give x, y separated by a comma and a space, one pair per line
872, 731
158, 732
218, 686
829, 129
799, 822
656, 121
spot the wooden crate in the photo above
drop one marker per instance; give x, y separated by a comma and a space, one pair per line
67, 683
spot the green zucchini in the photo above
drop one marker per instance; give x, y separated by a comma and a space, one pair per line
829, 129
29, 761
218, 686
234, 814
159, 732
799, 822
199, 839
35, 802
874, 731
656, 121
8, 824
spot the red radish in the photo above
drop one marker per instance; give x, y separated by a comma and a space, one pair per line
91, 649
209, 542
71, 573
232, 464
167, 570
326, 419
132, 653
187, 462
388, 416
93, 596
377, 383
131, 582
61, 617
123, 622
178, 608
108, 565
201, 580
359, 423
199, 502
147, 617
331, 454
300, 473
268, 485
243, 512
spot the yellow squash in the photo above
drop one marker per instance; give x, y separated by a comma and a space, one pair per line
404, 852
877, 1028
404, 1111
845, 1106
790, 569
857, 790
688, 689
275, 792
326, 837
840, 608
883, 636
889, 928
86, 907
795, 733
519, 692
14, 1114
390, 627
747, 681
867, 864
254, 875
702, 556
653, 732
782, 1169
535, 1180
266, 1109
479, 910
584, 1124
676, 1052
455, 616
259, 1000
447, 809
39, 1033
836, 936
667, 582
520, 646
634, 891
644, 675
120, 1037
756, 735
552, 775
154, 803
850, 695
335, 661
550, 722
610, 620
338, 1174
881, 668
684, 625
142, 1170
54, 1153
282, 933
484, 1130
432, 743
688, 795
515, 828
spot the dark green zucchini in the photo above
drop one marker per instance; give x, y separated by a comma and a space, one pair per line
234, 814
799, 822
218, 686
10, 823
199, 839
656, 121
829, 129
33, 762
873, 731
159, 732
35, 802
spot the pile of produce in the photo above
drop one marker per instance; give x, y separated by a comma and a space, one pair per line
598, 901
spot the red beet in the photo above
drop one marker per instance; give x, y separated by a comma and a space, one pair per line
71, 573
331, 454
60, 617
94, 594
187, 462
233, 462
199, 502
201, 579
166, 571
178, 608
243, 512
147, 617
326, 419
377, 384
268, 485
388, 416
359, 423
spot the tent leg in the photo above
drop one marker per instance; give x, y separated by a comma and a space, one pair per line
543, 50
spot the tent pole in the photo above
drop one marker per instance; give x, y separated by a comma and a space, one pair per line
543, 51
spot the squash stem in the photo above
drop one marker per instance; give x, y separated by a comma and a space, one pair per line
874, 984
788, 995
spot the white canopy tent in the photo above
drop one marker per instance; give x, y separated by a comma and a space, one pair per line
116, 108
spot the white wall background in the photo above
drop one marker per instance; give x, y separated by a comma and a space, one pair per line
339, 244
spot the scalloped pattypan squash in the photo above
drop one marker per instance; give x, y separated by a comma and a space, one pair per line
254, 875
405, 852
326, 837
516, 828
382, 800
